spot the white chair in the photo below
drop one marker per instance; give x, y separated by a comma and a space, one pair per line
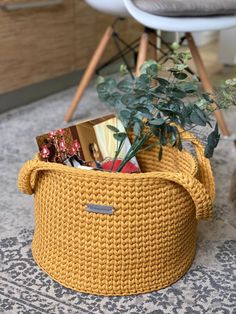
186, 25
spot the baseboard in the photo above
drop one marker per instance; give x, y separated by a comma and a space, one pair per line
28, 94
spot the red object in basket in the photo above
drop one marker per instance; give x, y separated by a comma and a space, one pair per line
130, 167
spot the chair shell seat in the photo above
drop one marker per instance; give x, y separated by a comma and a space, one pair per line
180, 24
182, 8
112, 7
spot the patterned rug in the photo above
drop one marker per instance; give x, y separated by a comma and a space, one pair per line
208, 287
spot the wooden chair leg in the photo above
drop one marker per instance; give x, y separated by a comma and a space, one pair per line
142, 53
153, 39
89, 72
205, 80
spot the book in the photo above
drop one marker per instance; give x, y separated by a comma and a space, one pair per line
88, 144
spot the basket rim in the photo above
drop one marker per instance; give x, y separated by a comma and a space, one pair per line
114, 175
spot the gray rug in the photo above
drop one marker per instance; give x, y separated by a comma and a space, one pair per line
209, 286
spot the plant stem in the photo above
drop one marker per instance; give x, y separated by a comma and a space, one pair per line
134, 149
129, 155
117, 152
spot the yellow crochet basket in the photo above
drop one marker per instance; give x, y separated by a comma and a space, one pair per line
149, 240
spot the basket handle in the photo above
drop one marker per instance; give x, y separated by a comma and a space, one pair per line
200, 196
204, 166
28, 174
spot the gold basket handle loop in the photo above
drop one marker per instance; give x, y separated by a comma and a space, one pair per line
204, 166
28, 174
196, 190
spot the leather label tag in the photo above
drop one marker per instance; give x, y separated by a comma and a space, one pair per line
99, 209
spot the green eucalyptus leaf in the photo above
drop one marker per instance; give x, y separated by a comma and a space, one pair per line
100, 79
128, 100
198, 117
184, 119
147, 64
164, 134
120, 136
144, 113
160, 153
195, 78
125, 86
180, 144
142, 100
150, 107
169, 109
175, 46
136, 119
155, 130
123, 69
159, 121
202, 103
125, 114
209, 151
142, 109
214, 137
137, 128
173, 135
180, 67
176, 93
101, 88
172, 70
144, 78
185, 55
188, 87
113, 128
175, 120
132, 106
180, 75
152, 70
159, 91
103, 91
142, 82
114, 100
162, 81
137, 115
138, 91
110, 83
175, 107
187, 109
212, 142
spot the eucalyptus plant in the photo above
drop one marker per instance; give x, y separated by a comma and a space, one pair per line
160, 106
